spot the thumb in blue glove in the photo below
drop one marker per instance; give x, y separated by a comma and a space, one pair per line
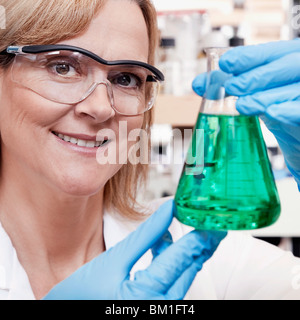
169, 276
212, 87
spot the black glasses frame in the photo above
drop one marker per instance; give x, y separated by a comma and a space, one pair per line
35, 49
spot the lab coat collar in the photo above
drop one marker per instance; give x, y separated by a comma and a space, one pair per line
14, 282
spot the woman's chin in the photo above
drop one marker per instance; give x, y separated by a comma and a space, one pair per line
79, 188
83, 192
82, 181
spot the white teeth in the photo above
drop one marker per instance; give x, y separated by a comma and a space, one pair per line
91, 144
79, 142
73, 140
67, 138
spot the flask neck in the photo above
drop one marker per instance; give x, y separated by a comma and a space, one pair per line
213, 57
225, 106
216, 100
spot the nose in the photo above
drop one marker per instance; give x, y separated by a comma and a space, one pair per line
97, 103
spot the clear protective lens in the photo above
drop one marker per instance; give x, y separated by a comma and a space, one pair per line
69, 77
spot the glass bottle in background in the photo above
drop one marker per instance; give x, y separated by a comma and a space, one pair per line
169, 64
227, 182
236, 41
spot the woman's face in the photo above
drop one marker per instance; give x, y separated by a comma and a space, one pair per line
27, 121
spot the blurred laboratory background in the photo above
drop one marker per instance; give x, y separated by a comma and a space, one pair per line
186, 28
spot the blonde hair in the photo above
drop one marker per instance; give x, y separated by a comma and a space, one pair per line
52, 21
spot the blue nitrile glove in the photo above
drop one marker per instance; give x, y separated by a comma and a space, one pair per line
266, 78
169, 276
215, 85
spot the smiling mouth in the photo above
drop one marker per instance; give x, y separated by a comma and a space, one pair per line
80, 142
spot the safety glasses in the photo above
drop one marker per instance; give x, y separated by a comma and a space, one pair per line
69, 75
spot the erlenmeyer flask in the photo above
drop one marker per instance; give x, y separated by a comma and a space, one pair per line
227, 182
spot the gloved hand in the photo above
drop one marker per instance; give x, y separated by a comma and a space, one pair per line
266, 78
169, 276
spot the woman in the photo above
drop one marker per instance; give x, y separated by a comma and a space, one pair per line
63, 106
66, 219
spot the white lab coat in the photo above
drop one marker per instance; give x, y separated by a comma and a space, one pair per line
242, 267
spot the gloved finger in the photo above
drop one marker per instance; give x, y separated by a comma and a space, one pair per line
286, 112
178, 291
278, 73
257, 103
211, 85
180, 288
162, 244
199, 84
215, 85
194, 248
147, 234
243, 59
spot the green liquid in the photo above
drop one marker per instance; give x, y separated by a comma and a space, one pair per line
235, 189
